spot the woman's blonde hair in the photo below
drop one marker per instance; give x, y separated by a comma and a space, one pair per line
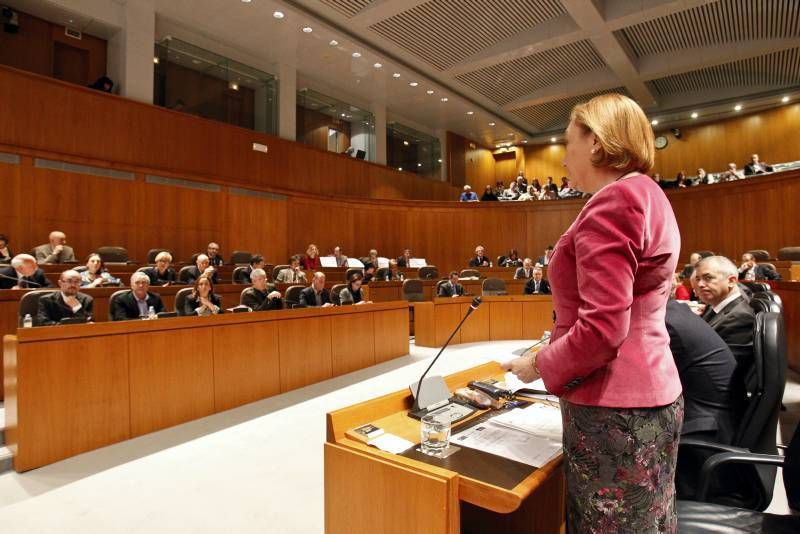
622, 129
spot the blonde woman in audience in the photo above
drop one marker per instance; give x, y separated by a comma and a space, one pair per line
311, 260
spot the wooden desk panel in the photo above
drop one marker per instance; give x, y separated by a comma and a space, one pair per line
305, 348
391, 334
448, 315
476, 328
353, 343
536, 319
506, 320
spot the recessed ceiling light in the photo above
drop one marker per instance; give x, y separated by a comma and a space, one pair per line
356, 54
439, 160
378, 65
405, 143
470, 112
396, 75
413, 84
552, 139
278, 14
737, 107
246, 1
491, 124
156, 60
399, 168
419, 164
234, 86
654, 122
524, 140
333, 42
695, 115
785, 99
444, 99
308, 29
71, 21
196, 61
429, 91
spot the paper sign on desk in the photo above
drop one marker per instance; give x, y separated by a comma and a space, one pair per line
391, 443
508, 443
538, 419
535, 389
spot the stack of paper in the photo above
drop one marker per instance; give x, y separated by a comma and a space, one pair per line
537, 419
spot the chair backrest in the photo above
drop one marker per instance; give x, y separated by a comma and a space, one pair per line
183, 274
335, 290
241, 295
762, 303
193, 259
113, 254
112, 299
494, 286
381, 273
236, 270
80, 268
439, 284
277, 269
29, 304
758, 287
469, 273
791, 471
412, 290
180, 298
759, 254
350, 272
153, 252
789, 254
241, 257
429, 272
500, 260
292, 295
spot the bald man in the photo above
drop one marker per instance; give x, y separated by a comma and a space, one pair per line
68, 303
56, 251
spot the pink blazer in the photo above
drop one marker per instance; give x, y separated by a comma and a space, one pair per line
611, 274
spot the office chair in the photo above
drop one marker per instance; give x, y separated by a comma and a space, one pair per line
760, 254
429, 272
236, 271
183, 274
153, 252
469, 273
241, 257
494, 286
113, 254
180, 299
277, 269
29, 304
789, 254
113, 299
292, 296
412, 290
335, 290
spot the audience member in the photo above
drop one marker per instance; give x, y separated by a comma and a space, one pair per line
451, 288
717, 286
404, 261
161, 274
512, 260
480, 259
537, 187
499, 189
23, 273
214, 257
136, 303
316, 295
292, 274
96, 274
488, 194
680, 291
341, 259
352, 293
536, 285
68, 303
657, 178
528, 195
526, 271
548, 194
369, 272
261, 296
468, 195
394, 271
548, 253
103, 83
732, 173
703, 177
203, 301
5, 252
56, 251
512, 193
310, 261
756, 167
372, 257
243, 276
752, 270
201, 268
522, 182
680, 180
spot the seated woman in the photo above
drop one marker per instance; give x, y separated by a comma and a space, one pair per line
352, 293
512, 260
96, 274
202, 301
311, 260
162, 274
5, 252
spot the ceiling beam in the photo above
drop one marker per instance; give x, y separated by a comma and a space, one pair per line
586, 82
380, 10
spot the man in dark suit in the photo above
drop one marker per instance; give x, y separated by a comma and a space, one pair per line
480, 259
68, 303
23, 273
214, 257
545, 260
244, 276
451, 288
526, 271
727, 312
201, 267
136, 303
537, 285
751, 270
261, 296
315, 295
404, 261
756, 167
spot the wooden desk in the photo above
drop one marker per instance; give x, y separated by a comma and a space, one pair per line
368, 490
789, 270
503, 317
388, 291
71, 389
789, 292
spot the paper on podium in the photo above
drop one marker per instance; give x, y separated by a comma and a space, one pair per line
537, 419
329, 262
391, 443
535, 389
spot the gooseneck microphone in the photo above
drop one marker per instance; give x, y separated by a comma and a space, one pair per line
22, 280
472, 307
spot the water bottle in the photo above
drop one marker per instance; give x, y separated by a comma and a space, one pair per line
27, 321
490, 265
151, 313
388, 277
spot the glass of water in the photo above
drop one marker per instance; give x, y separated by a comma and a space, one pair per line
435, 434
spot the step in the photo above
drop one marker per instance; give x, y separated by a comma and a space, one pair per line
6, 460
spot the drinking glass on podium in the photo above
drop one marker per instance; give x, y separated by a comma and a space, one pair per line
435, 434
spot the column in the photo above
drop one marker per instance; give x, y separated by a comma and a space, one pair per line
287, 102
379, 112
442, 136
131, 50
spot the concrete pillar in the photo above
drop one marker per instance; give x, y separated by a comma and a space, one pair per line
379, 112
131, 50
287, 102
442, 136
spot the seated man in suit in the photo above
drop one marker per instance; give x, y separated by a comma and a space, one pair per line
526, 271
536, 285
394, 271
244, 276
452, 288
261, 296
315, 295
468, 195
162, 274
545, 260
727, 311
404, 261
292, 274
56, 251
23, 273
751, 270
68, 303
136, 303
214, 257
202, 267
341, 259
480, 259
756, 167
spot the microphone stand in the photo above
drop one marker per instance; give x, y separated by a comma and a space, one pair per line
21, 280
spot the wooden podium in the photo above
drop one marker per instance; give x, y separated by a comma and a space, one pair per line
368, 490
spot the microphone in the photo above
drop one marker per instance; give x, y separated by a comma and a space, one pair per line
20, 280
472, 307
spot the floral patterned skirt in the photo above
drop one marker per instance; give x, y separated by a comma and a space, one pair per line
620, 467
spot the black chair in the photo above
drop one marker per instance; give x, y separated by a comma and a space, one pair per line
153, 252
113, 254
180, 299
429, 272
760, 254
292, 296
789, 254
382, 273
494, 286
113, 299
183, 274
29, 304
750, 486
241, 257
412, 290
763, 302
439, 284
335, 290
193, 259
237, 270
500, 260
277, 269
469, 273
696, 517
759, 287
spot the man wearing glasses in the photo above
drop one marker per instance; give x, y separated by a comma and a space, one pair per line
68, 303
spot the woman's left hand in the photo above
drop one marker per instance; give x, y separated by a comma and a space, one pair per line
523, 368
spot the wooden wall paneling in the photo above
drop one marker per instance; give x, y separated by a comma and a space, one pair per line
505, 321
80, 388
476, 327
324, 226
94, 47
424, 324
506, 166
305, 348
258, 225
28, 49
447, 317
537, 316
18, 210
353, 342
171, 378
391, 334
542, 161
246, 363
456, 154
